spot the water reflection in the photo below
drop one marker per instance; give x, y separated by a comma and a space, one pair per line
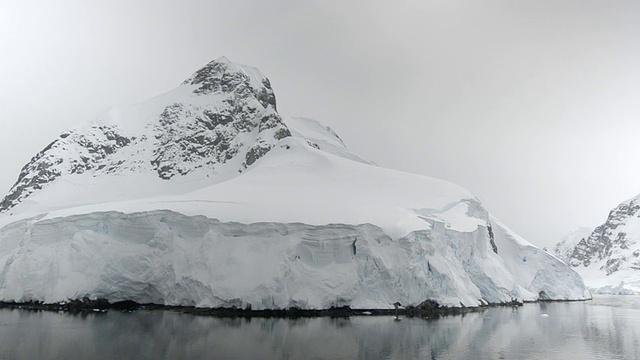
606, 328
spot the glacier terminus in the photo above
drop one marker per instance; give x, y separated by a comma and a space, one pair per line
206, 196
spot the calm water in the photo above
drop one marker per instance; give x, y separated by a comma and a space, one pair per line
605, 328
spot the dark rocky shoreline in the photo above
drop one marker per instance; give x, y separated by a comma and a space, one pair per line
428, 309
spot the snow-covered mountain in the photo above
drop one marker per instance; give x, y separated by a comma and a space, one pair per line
219, 122
564, 249
608, 258
206, 196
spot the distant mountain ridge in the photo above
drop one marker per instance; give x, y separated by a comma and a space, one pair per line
609, 257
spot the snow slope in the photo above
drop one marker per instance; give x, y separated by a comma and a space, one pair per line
306, 224
608, 258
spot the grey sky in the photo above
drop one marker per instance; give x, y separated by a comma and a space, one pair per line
532, 105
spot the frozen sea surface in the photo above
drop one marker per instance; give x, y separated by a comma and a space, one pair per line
605, 328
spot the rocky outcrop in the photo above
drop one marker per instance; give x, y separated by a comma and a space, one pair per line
565, 248
607, 241
609, 258
224, 113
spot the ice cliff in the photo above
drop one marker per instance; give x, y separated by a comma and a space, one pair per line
206, 196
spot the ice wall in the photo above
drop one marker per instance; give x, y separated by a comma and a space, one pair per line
168, 258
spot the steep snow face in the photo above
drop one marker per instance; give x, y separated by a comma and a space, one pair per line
609, 258
216, 124
564, 249
177, 219
322, 138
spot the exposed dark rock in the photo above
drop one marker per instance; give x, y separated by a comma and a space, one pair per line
542, 296
427, 309
256, 153
184, 137
281, 133
605, 239
613, 264
492, 241
45, 168
125, 305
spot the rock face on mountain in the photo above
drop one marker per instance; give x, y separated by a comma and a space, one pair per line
564, 249
609, 257
206, 196
223, 118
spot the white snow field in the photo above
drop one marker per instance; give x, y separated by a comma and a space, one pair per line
301, 222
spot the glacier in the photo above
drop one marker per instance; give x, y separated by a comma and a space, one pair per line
205, 196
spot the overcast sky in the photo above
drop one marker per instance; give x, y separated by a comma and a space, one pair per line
531, 105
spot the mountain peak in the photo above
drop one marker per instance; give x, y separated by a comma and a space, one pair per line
222, 59
223, 75
217, 123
